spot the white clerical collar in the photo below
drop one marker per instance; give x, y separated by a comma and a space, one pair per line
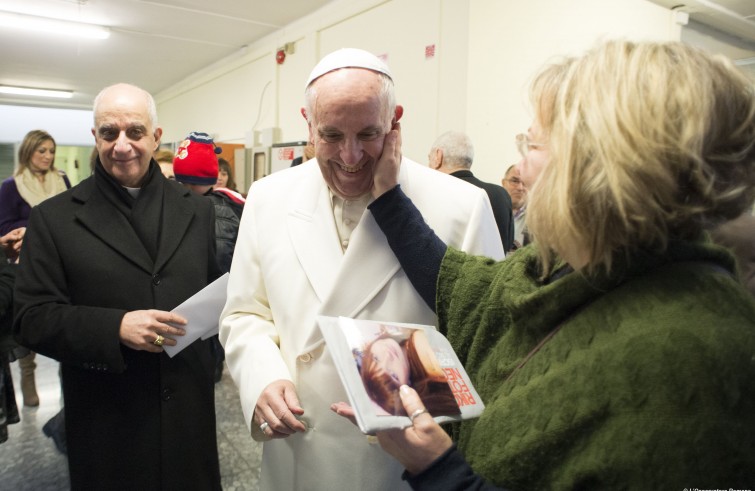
134, 192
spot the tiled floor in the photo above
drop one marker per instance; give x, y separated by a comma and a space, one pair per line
30, 461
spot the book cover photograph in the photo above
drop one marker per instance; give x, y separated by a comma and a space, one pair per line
374, 359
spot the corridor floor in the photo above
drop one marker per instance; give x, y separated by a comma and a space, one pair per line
30, 461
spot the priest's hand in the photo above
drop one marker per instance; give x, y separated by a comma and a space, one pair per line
147, 330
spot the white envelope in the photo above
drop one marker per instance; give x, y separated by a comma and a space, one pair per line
202, 311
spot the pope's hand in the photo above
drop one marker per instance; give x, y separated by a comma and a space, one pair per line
277, 409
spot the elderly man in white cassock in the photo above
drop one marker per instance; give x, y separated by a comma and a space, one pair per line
309, 246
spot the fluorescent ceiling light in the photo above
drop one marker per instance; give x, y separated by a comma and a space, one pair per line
57, 26
61, 94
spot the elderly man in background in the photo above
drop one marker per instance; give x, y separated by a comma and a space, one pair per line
512, 182
307, 246
452, 153
102, 266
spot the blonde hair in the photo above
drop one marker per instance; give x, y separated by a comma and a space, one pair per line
29, 145
648, 142
164, 155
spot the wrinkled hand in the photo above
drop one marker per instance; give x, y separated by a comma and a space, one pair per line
385, 170
12, 241
278, 405
344, 410
140, 328
419, 445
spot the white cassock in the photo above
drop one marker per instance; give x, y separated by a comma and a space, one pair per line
288, 268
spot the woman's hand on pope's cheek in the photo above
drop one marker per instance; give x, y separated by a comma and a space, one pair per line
385, 171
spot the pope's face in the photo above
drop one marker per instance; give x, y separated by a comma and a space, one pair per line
348, 127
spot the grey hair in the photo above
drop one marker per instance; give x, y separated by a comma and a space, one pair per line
387, 92
457, 148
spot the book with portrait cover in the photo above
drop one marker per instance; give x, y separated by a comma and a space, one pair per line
374, 358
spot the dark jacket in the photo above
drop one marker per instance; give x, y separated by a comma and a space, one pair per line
738, 236
587, 379
8, 408
618, 404
7, 279
134, 419
501, 203
227, 219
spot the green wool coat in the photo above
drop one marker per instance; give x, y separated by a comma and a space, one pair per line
648, 383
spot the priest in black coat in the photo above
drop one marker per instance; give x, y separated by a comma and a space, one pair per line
101, 267
453, 153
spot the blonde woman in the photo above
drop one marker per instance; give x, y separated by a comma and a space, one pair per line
35, 180
616, 351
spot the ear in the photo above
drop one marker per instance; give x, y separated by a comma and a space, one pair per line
158, 136
397, 114
94, 133
437, 161
309, 126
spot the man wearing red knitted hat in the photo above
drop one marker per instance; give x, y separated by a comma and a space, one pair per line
196, 166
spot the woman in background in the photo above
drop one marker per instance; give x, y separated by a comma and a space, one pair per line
615, 351
35, 180
225, 176
164, 158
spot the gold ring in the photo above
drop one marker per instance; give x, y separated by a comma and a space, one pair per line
417, 413
158, 341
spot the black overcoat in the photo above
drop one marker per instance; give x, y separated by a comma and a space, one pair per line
134, 419
500, 201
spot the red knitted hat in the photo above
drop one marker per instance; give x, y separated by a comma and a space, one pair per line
196, 161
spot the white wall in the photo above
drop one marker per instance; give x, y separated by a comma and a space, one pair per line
510, 40
223, 105
67, 126
431, 89
486, 51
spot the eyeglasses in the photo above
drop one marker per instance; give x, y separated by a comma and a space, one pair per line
524, 145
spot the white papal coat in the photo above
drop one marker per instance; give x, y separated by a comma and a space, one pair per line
288, 268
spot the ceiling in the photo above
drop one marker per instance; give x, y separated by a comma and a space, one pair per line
732, 16
153, 43
157, 43
721, 26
